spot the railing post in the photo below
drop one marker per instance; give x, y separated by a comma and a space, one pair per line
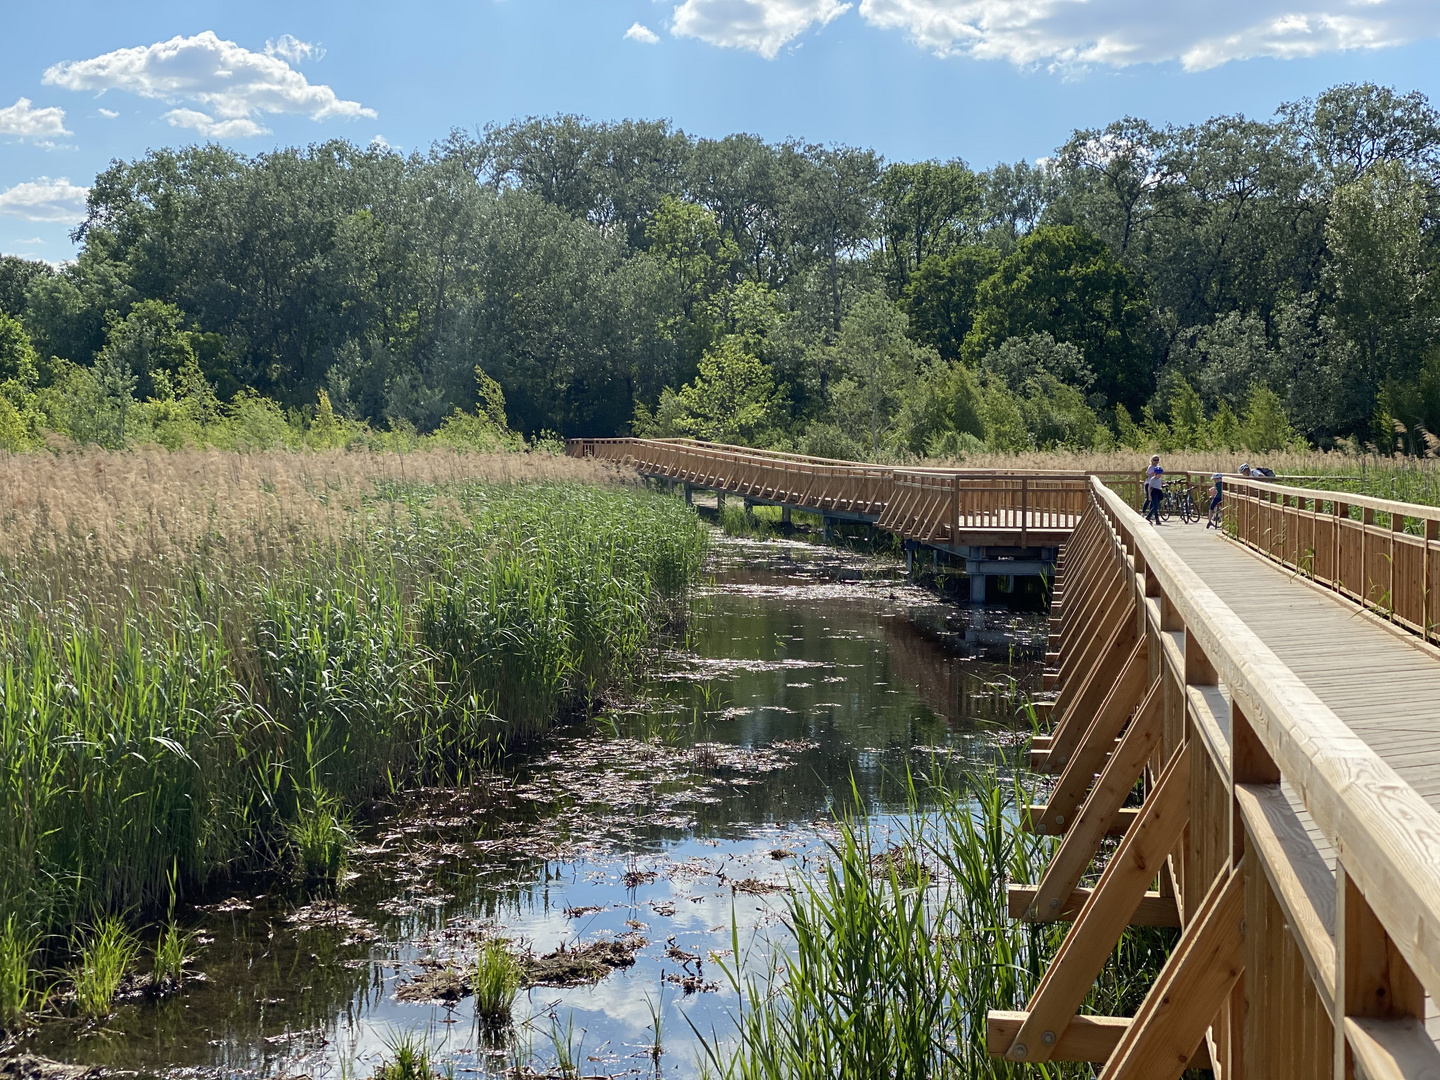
1024, 507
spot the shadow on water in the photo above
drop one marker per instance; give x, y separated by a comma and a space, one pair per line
808, 676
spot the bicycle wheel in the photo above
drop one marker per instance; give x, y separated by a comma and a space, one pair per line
1167, 506
1189, 512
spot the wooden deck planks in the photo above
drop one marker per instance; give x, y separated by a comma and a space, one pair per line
1385, 689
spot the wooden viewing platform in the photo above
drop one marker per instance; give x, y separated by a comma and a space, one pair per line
1276, 692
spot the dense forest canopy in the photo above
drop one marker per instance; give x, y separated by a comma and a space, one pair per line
1231, 283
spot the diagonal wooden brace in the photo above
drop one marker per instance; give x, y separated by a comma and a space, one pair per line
1106, 914
1109, 662
1083, 837
1192, 988
1086, 752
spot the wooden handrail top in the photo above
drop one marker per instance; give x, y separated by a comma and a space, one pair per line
1370, 502
1387, 836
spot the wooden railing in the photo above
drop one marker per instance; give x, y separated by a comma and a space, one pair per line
1381, 553
931, 505
1284, 967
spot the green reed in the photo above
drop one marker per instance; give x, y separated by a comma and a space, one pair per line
496, 982
164, 726
892, 972
106, 955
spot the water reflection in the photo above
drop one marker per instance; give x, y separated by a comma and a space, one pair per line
807, 673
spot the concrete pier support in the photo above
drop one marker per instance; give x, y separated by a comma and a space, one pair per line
827, 527
719, 502
785, 515
977, 585
689, 495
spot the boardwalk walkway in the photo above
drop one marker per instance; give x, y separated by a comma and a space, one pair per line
1383, 684
1277, 697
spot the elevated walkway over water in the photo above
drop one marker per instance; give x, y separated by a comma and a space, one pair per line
1274, 690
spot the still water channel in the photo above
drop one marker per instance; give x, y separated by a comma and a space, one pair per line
809, 675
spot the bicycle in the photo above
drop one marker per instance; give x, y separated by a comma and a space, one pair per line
1178, 499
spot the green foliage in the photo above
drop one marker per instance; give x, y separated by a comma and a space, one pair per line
228, 717
873, 368
1064, 281
407, 1058
896, 962
1264, 425
319, 836
496, 982
172, 952
939, 298
732, 399
1056, 414
106, 955
943, 405
17, 980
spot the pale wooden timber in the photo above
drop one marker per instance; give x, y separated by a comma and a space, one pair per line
1154, 909
1307, 882
930, 506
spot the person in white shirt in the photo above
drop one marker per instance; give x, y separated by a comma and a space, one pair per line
1154, 490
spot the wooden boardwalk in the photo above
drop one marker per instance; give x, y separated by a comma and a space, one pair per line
1380, 681
1273, 692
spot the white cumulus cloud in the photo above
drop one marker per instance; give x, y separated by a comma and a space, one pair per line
238, 128
233, 84
643, 34
109, 114
1116, 33
45, 200
20, 119
762, 26
291, 48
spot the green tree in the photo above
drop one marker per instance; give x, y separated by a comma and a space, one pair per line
733, 398
1188, 429
942, 404
1064, 281
1264, 425
697, 262
1019, 360
1384, 296
939, 299
1057, 415
876, 363
924, 208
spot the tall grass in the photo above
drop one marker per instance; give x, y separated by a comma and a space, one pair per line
106, 955
186, 717
496, 982
17, 984
892, 971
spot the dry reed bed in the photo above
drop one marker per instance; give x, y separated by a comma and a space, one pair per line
148, 504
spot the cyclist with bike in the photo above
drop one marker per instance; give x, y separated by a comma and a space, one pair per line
1217, 495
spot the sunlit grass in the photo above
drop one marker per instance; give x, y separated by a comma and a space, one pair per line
105, 956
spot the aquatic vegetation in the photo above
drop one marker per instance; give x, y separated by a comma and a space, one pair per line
165, 722
172, 952
319, 836
106, 955
496, 982
17, 987
408, 1059
892, 972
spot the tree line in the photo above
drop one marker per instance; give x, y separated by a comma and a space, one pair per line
1234, 283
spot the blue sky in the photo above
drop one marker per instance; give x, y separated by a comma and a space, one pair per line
985, 80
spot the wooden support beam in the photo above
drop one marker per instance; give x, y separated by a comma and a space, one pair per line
1110, 662
1083, 838
1193, 986
1103, 919
1120, 821
1392, 1049
1154, 910
1087, 1038
1084, 753
1372, 980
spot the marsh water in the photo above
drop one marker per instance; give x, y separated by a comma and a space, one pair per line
808, 678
